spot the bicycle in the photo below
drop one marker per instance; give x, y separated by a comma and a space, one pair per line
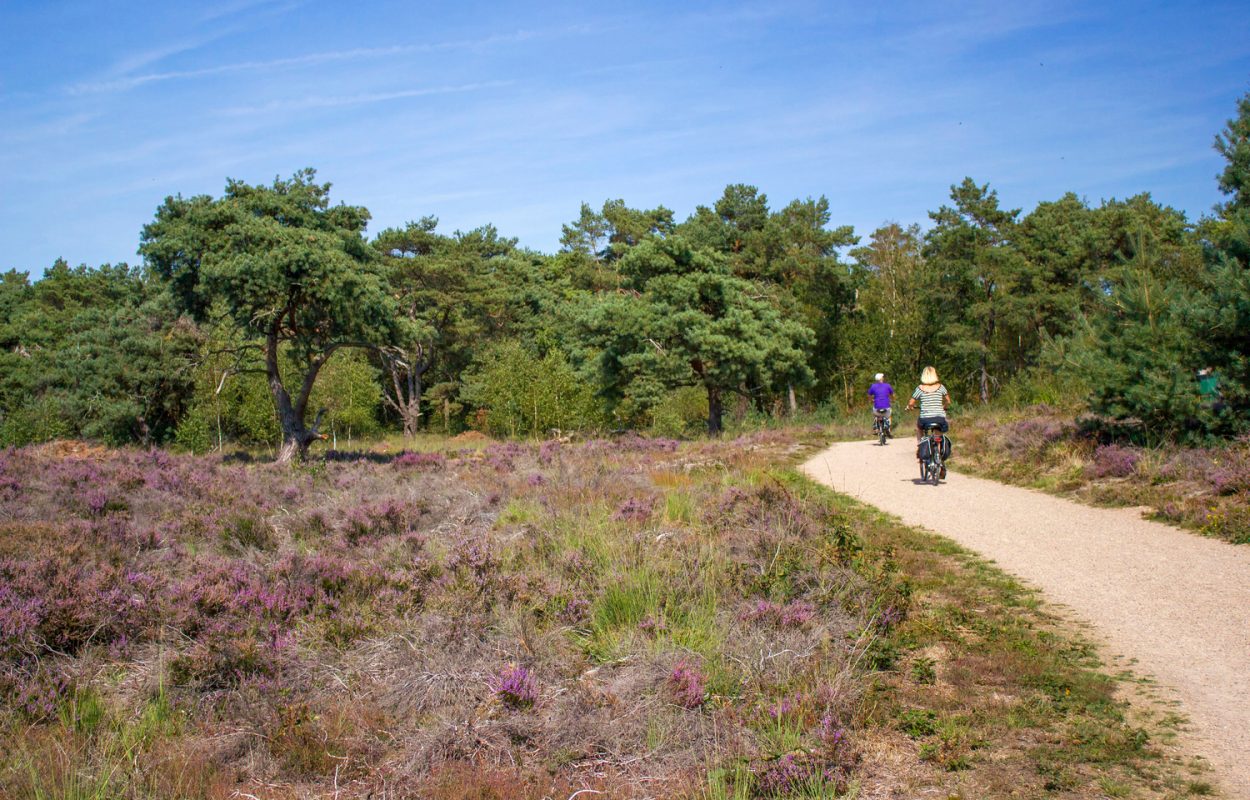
932, 467
881, 425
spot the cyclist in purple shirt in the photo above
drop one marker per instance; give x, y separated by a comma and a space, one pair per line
881, 394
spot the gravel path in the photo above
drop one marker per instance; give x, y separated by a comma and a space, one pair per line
1175, 602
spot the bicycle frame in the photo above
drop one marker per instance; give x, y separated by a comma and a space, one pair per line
931, 468
881, 425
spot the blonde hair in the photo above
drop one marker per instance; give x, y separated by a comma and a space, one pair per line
929, 375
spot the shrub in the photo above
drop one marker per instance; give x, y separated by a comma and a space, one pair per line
688, 685
195, 431
522, 394
1113, 460
40, 420
680, 413
514, 686
420, 461
635, 509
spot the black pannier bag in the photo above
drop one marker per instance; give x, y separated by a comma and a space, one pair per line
922, 449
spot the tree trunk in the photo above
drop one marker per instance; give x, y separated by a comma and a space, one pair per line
412, 408
794, 403
985, 382
296, 437
404, 397
985, 355
714, 411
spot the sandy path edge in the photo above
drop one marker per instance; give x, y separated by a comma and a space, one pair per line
1175, 602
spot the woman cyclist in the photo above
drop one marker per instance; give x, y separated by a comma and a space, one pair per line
933, 399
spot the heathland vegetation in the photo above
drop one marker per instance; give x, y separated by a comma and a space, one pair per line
634, 617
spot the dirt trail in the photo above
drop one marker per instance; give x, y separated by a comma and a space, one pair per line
1175, 602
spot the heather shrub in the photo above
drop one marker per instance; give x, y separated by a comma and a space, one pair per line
795, 614
792, 775
635, 509
390, 518
420, 461
310, 527
1207, 487
514, 687
1114, 461
67, 606
300, 741
473, 562
688, 685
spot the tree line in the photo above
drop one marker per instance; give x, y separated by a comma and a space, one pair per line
267, 315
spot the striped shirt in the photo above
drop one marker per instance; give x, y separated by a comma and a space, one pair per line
931, 402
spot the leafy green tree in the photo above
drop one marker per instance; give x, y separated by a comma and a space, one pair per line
15, 291
792, 256
520, 393
685, 320
1137, 357
98, 347
289, 269
813, 285
1222, 319
124, 373
892, 330
1233, 143
429, 292
606, 235
351, 394
737, 225
1068, 261
976, 305
1125, 228
458, 293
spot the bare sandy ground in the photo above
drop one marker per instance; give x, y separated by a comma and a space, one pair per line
1176, 603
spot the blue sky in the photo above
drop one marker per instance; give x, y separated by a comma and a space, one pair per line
516, 113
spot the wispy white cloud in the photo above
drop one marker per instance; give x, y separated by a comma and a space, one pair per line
332, 101
142, 58
134, 81
127, 82
226, 9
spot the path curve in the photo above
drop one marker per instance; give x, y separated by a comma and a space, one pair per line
1177, 603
